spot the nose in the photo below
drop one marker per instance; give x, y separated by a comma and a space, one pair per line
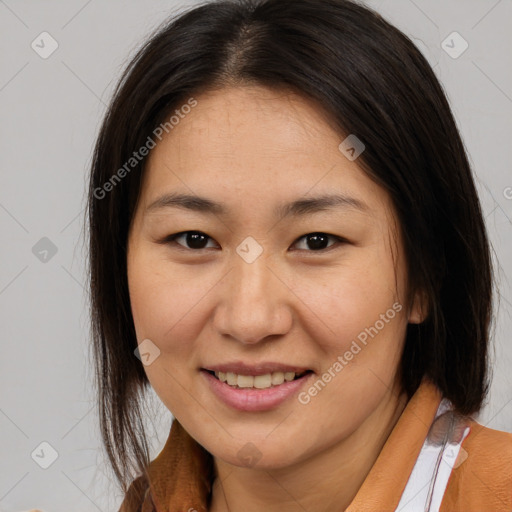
254, 303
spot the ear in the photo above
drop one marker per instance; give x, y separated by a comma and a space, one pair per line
419, 309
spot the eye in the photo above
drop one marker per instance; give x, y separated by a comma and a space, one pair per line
317, 241
196, 239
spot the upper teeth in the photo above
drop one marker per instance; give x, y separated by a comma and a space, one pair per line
258, 381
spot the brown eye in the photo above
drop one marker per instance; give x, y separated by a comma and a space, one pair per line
194, 240
317, 241
197, 240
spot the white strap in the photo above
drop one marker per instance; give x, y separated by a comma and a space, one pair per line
429, 478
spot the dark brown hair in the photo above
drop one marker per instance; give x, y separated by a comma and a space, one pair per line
374, 83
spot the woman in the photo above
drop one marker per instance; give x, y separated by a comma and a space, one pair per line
287, 246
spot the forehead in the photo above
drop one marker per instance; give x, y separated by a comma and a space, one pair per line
248, 144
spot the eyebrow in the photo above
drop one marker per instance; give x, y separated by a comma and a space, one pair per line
299, 207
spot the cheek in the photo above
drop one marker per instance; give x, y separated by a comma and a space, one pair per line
166, 302
361, 346
353, 301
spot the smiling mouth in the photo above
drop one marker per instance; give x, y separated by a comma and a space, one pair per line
268, 380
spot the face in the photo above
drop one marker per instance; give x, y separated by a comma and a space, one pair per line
269, 282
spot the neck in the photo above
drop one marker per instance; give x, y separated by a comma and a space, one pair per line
327, 481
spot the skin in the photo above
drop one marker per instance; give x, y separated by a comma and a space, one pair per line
251, 148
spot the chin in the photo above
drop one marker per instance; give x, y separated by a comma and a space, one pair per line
252, 455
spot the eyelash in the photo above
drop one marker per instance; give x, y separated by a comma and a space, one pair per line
171, 239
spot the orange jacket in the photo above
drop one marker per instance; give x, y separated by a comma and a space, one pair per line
480, 479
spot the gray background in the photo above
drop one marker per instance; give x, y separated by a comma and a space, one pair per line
51, 110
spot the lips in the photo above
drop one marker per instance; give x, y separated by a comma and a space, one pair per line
255, 396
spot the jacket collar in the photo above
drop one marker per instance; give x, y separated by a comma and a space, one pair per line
182, 474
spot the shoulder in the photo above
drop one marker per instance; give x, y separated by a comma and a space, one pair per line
481, 434
481, 478
490, 447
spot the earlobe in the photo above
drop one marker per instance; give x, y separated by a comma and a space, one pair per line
419, 309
